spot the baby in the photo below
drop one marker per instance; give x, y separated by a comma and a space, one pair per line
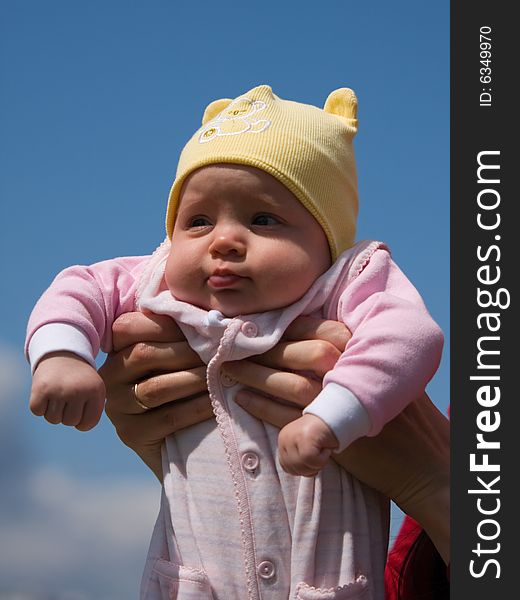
260, 229
262, 208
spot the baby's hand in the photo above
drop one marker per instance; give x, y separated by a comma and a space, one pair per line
305, 445
66, 389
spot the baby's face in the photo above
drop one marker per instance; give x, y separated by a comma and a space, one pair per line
242, 243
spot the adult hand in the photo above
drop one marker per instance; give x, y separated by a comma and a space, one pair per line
310, 346
151, 351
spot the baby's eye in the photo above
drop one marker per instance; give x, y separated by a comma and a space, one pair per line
198, 222
265, 220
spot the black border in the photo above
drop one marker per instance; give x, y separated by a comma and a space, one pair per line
476, 128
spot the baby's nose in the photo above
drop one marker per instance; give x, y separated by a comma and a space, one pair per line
228, 241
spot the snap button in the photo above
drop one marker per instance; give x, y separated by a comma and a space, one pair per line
250, 461
249, 329
266, 569
227, 380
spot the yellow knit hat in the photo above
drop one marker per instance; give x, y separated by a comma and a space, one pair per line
309, 150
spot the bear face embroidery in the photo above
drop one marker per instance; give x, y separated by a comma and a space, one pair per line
237, 118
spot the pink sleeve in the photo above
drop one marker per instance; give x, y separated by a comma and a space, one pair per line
396, 346
90, 298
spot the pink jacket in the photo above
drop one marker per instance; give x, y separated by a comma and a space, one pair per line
232, 524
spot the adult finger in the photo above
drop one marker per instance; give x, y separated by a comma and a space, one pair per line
153, 391
137, 361
161, 389
292, 387
267, 409
156, 424
130, 328
312, 328
318, 356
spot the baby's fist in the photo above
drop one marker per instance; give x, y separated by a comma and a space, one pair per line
66, 389
305, 445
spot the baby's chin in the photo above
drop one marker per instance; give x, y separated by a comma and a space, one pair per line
231, 310
230, 304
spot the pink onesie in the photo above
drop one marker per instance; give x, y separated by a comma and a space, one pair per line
232, 524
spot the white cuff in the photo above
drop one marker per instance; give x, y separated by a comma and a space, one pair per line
59, 337
342, 412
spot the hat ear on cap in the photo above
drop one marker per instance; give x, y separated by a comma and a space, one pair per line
213, 109
343, 104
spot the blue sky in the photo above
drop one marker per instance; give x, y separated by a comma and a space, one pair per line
97, 100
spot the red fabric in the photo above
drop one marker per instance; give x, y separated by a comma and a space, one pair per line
414, 569
405, 539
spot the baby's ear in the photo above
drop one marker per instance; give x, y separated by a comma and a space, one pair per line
343, 103
214, 108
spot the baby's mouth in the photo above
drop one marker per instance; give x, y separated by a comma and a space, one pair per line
223, 278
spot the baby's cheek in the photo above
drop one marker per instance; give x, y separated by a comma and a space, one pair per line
176, 275
286, 282
184, 279
170, 272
